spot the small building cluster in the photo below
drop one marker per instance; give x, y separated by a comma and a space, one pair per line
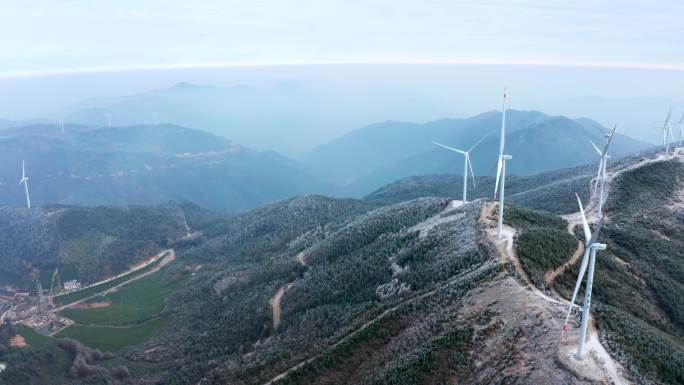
72, 285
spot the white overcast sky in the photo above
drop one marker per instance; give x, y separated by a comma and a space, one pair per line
54, 36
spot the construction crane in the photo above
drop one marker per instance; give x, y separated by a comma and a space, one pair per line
39, 292
55, 276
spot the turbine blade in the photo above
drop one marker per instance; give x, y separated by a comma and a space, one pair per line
598, 177
585, 224
594, 235
480, 141
502, 140
470, 165
450, 148
595, 147
498, 175
580, 276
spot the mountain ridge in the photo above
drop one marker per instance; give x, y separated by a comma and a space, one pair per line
373, 156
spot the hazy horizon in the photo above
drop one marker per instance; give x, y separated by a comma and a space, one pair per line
332, 67
326, 101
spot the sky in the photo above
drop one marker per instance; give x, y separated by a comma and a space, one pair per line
48, 37
369, 60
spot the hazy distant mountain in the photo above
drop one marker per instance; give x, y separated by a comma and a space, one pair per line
7, 123
639, 118
143, 165
288, 117
370, 157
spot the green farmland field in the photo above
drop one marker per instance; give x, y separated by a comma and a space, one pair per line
32, 337
85, 293
132, 303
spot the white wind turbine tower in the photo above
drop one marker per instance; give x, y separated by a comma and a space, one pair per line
603, 165
589, 239
109, 119
62, 121
501, 167
466, 165
24, 180
587, 297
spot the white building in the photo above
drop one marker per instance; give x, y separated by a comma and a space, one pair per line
72, 285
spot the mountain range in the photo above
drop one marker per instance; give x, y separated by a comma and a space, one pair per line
143, 165
152, 164
372, 156
318, 290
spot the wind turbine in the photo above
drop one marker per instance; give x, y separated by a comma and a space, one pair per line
62, 121
501, 167
24, 180
466, 164
109, 119
603, 165
589, 239
587, 297
681, 129
667, 132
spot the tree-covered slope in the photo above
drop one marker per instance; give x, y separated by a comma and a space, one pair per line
551, 191
639, 279
143, 165
86, 243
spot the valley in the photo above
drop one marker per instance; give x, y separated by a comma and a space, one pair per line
341, 193
321, 290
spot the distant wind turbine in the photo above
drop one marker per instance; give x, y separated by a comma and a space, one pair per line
466, 165
603, 165
589, 239
24, 180
109, 119
667, 132
681, 129
62, 121
501, 167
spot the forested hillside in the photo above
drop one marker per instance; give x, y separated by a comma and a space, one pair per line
143, 165
85, 243
317, 290
637, 287
551, 191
